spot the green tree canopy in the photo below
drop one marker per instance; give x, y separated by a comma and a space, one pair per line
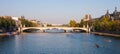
26, 22
7, 24
72, 23
107, 25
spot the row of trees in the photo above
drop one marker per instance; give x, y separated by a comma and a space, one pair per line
7, 24
26, 22
107, 25
73, 23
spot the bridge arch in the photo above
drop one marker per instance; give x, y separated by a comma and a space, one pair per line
23, 29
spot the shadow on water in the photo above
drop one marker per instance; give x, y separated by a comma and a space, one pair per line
6, 38
108, 36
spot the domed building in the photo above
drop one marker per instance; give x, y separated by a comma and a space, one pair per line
114, 16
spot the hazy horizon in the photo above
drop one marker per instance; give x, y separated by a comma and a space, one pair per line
57, 11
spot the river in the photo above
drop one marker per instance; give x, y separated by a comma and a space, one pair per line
59, 43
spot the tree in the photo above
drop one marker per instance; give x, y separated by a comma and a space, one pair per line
72, 23
26, 22
107, 25
85, 23
77, 25
7, 24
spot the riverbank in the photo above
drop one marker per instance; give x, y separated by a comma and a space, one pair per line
106, 34
8, 34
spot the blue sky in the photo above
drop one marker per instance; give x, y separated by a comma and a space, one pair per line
57, 11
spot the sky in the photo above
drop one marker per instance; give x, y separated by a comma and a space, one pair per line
57, 11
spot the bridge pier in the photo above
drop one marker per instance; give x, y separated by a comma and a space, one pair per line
66, 31
88, 30
42, 30
19, 30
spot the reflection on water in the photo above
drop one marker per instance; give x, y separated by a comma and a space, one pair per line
59, 43
47, 31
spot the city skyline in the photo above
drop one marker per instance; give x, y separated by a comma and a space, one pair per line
57, 11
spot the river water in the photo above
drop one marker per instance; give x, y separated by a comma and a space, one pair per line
59, 43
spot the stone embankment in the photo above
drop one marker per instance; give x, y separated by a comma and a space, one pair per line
106, 34
8, 34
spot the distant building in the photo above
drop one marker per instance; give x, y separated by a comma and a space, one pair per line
114, 16
44, 25
87, 17
18, 22
39, 23
34, 21
15, 18
56, 25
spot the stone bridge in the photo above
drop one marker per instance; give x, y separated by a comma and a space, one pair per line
59, 28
